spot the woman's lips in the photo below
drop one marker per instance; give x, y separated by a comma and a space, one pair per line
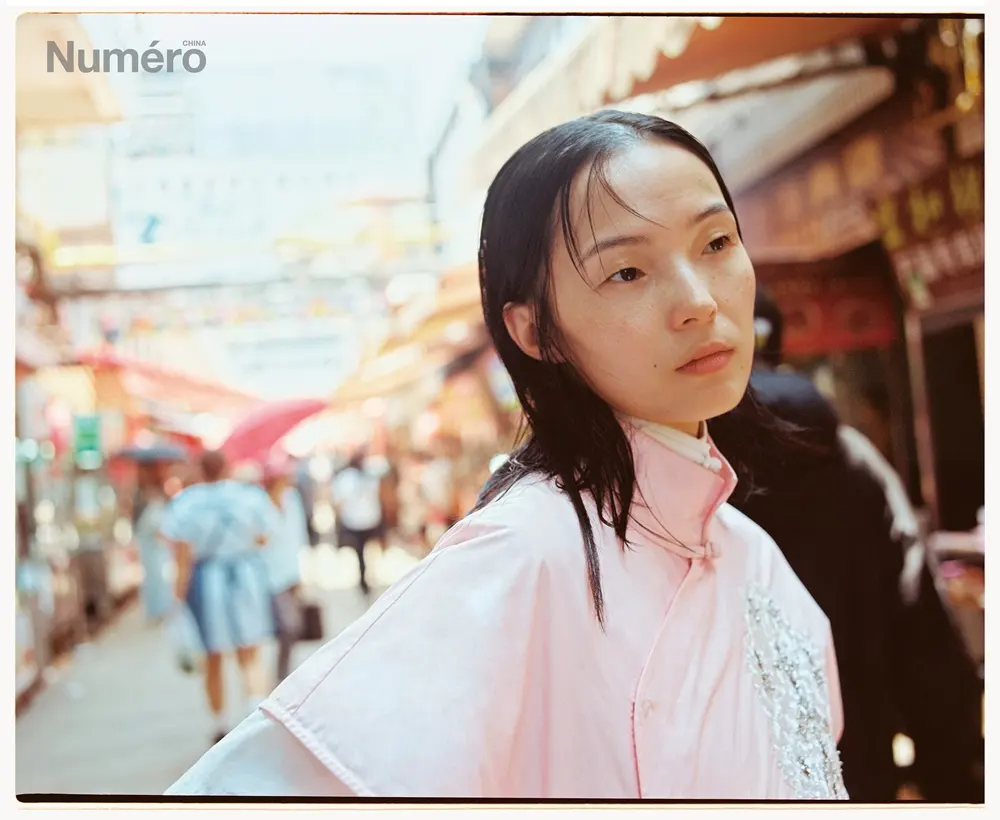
712, 363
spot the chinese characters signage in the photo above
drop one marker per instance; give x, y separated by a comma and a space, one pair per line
935, 234
817, 207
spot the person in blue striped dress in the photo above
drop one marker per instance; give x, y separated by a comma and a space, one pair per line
218, 530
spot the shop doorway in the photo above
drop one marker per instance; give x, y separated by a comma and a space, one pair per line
955, 404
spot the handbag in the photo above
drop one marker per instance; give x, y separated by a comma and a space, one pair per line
183, 633
312, 622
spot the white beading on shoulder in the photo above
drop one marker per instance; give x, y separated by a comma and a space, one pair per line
791, 683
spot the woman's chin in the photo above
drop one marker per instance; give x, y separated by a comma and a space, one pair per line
724, 401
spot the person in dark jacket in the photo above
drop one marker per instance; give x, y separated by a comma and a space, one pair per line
903, 667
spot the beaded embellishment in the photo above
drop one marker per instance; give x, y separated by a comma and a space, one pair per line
791, 683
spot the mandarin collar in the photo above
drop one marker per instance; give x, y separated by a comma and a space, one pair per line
677, 493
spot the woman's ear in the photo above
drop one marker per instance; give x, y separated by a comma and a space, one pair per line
520, 322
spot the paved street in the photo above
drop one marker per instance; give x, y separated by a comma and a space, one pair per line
121, 718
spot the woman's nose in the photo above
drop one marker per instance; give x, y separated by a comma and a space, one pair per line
693, 303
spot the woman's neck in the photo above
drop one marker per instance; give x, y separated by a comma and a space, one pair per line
695, 429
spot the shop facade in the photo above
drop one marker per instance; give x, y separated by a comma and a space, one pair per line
934, 233
816, 247
47, 590
872, 244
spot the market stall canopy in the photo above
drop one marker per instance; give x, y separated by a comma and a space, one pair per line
135, 379
398, 371
623, 57
257, 433
50, 100
778, 112
736, 42
455, 317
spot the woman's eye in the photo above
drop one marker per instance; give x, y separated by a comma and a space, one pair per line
720, 243
626, 275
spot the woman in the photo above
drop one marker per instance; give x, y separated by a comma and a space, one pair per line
157, 562
217, 529
281, 557
602, 625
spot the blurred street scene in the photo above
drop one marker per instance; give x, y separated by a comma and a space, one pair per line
284, 241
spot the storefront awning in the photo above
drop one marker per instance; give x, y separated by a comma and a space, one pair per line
457, 311
395, 372
136, 379
769, 123
50, 100
419, 350
622, 57
739, 42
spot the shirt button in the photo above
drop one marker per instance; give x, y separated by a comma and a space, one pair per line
646, 708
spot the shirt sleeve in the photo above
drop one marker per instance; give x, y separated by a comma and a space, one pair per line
425, 694
176, 524
259, 758
262, 515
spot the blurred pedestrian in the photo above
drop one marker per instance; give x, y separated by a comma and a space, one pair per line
281, 556
841, 517
218, 529
357, 501
602, 625
306, 485
156, 591
389, 499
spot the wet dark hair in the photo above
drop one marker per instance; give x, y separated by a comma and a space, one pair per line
568, 432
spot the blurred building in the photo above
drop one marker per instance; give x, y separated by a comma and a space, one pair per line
60, 192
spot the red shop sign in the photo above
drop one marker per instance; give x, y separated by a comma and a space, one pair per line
828, 309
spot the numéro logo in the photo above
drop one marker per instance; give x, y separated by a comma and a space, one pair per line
153, 60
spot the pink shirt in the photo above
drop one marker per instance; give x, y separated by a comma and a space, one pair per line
484, 673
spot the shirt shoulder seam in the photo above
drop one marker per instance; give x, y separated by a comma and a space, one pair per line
334, 764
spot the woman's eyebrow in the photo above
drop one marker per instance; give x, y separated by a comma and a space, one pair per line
712, 210
614, 242
610, 242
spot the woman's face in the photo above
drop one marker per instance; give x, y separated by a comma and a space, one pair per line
661, 322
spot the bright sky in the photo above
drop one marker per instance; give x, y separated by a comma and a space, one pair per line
434, 50
328, 38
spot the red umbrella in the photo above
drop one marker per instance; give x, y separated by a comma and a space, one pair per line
254, 437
